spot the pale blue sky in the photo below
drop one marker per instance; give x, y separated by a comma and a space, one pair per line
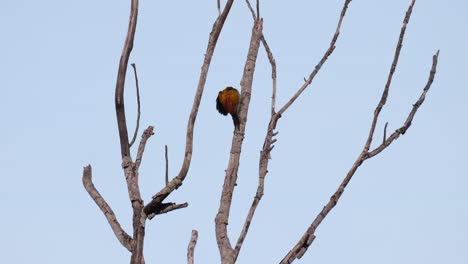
407, 205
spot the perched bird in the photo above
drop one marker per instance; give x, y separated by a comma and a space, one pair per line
228, 102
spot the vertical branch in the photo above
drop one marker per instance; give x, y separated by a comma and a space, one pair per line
138, 105
167, 165
176, 182
267, 147
258, 9
120, 84
121, 235
222, 217
271, 58
273, 74
191, 247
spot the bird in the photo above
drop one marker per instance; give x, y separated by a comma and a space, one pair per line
228, 102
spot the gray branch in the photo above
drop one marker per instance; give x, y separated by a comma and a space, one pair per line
222, 218
191, 247
178, 180
121, 235
137, 126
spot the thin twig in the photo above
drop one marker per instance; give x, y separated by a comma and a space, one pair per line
176, 182
138, 103
219, 7
385, 132
191, 247
141, 148
249, 5
271, 58
383, 99
121, 235
258, 9
322, 61
167, 165
165, 208
168, 207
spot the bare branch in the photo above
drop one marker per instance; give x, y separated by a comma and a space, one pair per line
265, 153
138, 103
131, 174
383, 99
249, 5
119, 89
219, 7
191, 247
167, 165
303, 244
121, 235
141, 148
165, 208
271, 58
329, 51
409, 119
258, 9
177, 181
222, 218
385, 132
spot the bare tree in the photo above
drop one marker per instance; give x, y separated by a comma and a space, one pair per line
229, 252
156, 206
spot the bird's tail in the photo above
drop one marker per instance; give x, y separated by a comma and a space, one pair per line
235, 119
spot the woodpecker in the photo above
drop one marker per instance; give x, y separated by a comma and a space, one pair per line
228, 102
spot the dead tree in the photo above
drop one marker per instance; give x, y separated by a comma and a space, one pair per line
158, 205
228, 252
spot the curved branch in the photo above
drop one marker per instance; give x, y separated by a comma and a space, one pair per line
120, 84
121, 235
138, 106
177, 181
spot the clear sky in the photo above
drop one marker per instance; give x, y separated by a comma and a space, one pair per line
59, 63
